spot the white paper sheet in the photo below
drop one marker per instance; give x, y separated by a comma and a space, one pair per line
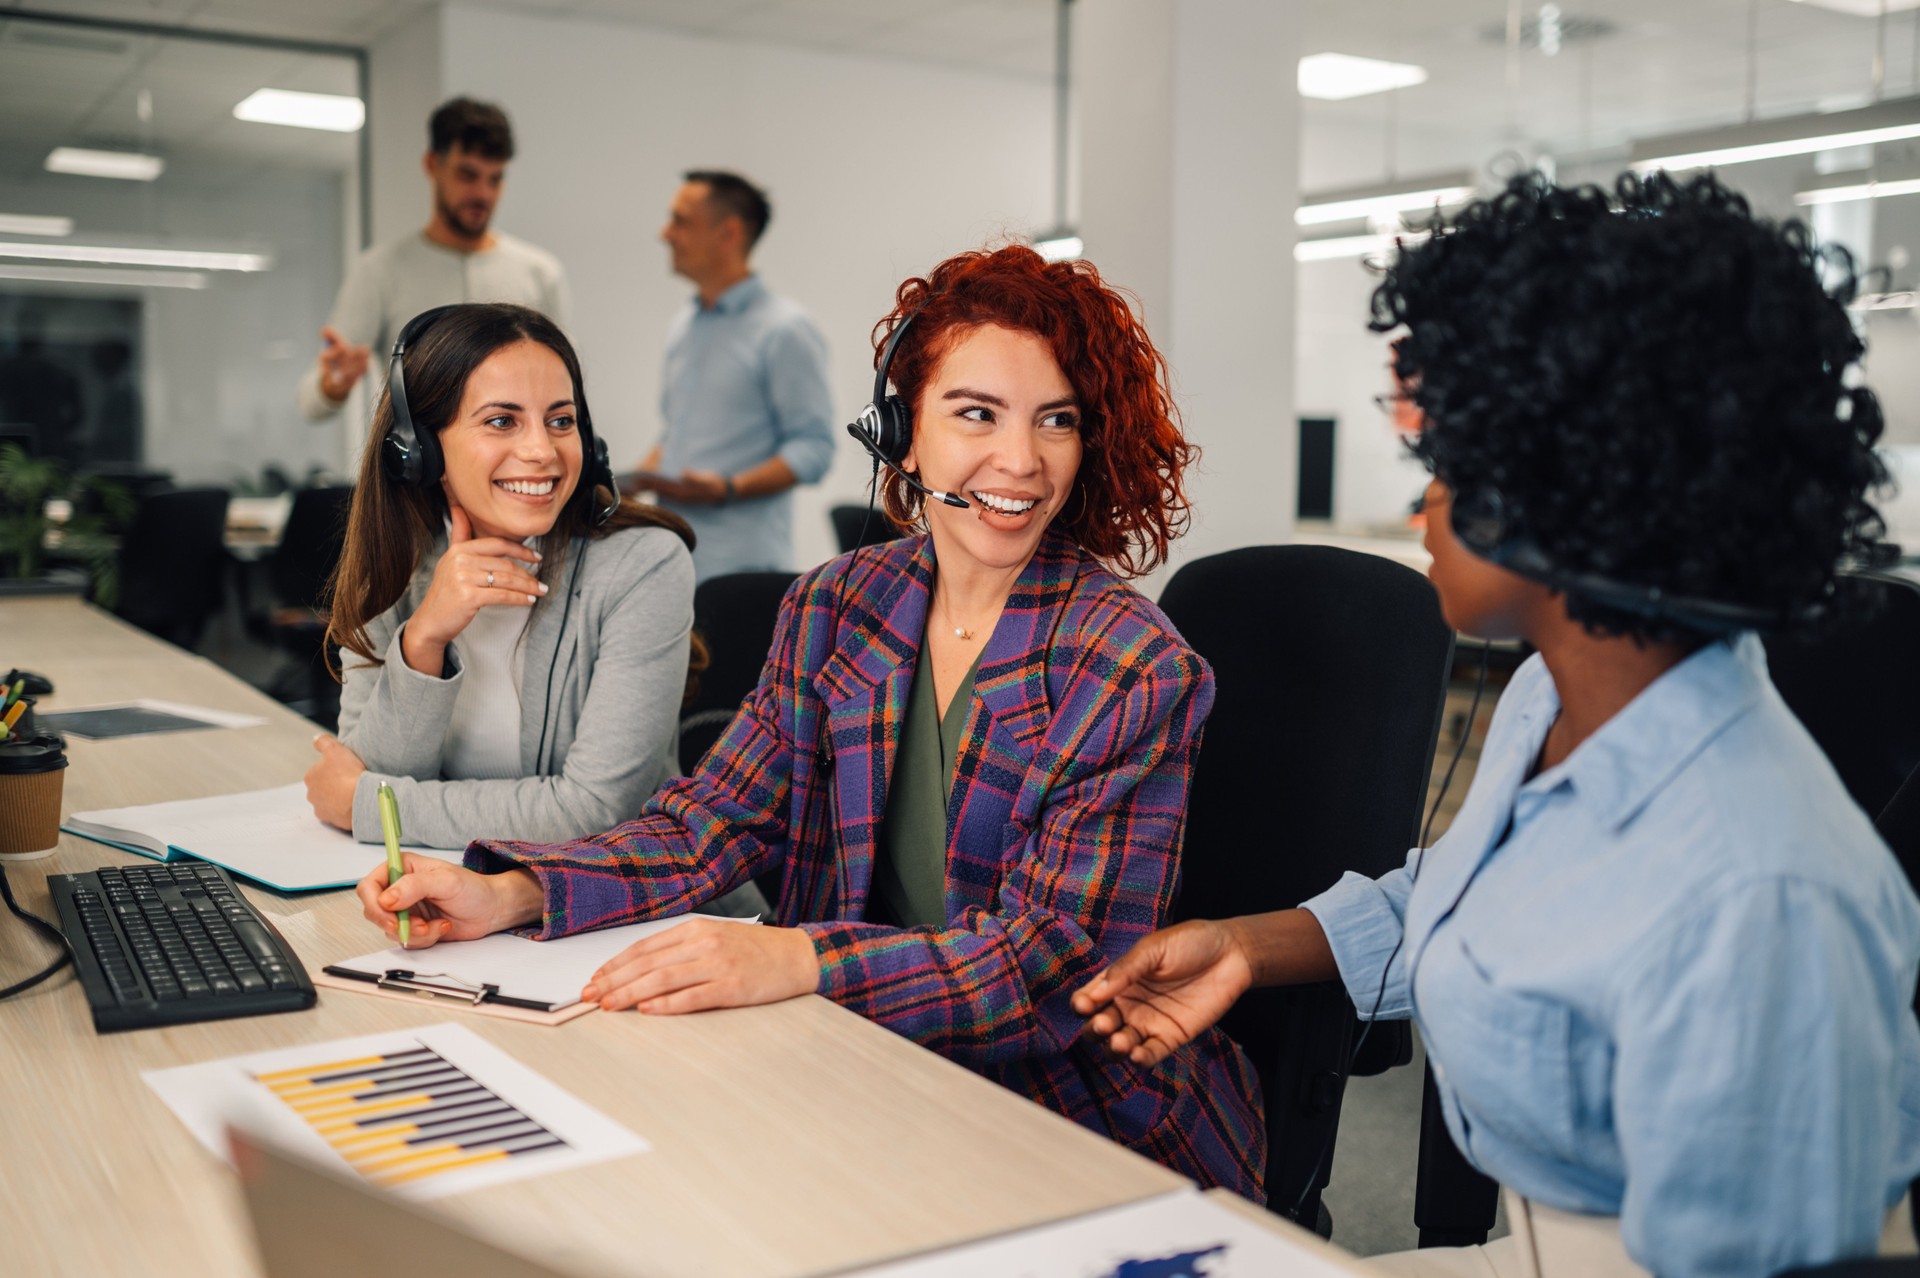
1178, 1235
542, 971
204, 714
271, 836
493, 1120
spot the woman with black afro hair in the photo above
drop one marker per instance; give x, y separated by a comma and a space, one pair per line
1663, 967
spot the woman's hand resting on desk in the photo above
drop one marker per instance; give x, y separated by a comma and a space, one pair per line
707, 963
447, 902
1164, 991
331, 782
473, 574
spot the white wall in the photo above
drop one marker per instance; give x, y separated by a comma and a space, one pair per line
877, 169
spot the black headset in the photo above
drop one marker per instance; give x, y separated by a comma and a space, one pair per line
885, 426
413, 458
1487, 525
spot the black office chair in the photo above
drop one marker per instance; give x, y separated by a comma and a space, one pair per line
172, 562
1331, 670
1871, 1267
298, 572
848, 522
1858, 691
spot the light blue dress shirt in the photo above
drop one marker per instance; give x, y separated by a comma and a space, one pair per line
746, 379
1680, 989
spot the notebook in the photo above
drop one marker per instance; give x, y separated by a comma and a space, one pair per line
269, 836
499, 975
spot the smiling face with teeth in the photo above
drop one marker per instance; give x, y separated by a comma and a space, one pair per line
997, 422
512, 451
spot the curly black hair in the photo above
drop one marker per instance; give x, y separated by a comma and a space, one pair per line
1656, 381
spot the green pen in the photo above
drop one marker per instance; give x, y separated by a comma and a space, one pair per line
13, 693
390, 824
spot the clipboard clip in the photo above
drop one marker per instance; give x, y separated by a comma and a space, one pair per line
450, 987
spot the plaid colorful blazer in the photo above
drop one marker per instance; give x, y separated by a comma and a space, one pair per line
1067, 810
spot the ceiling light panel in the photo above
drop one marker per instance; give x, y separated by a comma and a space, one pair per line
33, 224
1319, 212
103, 277
115, 255
1861, 8
1890, 121
1333, 77
129, 165
332, 112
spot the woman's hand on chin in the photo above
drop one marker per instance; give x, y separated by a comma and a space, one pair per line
475, 573
706, 963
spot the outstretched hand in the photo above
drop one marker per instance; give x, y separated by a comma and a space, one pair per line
1166, 990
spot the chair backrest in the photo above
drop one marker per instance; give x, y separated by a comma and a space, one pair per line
1858, 691
1330, 670
171, 560
735, 614
848, 521
310, 545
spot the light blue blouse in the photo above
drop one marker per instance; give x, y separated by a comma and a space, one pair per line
1680, 989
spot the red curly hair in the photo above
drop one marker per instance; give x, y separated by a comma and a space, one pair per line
1130, 503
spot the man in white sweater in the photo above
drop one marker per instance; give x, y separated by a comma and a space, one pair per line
458, 257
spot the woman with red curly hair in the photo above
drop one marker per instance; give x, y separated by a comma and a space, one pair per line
969, 751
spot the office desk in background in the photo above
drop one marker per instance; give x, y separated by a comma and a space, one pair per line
788, 1139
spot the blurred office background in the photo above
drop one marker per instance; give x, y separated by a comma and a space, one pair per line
156, 312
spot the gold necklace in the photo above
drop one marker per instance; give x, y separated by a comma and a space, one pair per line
959, 632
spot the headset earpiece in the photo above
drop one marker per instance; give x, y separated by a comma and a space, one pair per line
410, 457
595, 475
885, 426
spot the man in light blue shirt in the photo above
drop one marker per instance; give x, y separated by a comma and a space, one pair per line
1663, 965
745, 397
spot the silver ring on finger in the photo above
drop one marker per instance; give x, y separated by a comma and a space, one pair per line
489, 581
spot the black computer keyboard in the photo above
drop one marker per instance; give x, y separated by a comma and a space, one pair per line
166, 944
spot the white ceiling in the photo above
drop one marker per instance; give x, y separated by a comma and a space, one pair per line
1666, 65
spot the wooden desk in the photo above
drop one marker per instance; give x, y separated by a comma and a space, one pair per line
787, 1139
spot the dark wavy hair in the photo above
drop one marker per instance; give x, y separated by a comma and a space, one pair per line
391, 526
1655, 380
1129, 503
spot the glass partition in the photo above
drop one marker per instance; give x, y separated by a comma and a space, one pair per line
170, 243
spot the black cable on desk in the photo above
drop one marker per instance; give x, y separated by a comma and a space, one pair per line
59, 938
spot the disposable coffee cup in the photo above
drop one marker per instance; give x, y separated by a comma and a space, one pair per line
32, 774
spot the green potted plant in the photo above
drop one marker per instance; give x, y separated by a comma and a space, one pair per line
90, 540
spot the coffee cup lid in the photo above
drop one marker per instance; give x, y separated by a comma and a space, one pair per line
20, 755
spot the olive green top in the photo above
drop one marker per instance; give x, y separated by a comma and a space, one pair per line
910, 861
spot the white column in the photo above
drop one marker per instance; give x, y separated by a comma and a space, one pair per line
1189, 152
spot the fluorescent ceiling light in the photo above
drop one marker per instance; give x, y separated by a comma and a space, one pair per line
1858, 191
1334, 76
30, 224
1771, 139
1902, 301
114, 278
1351, 246
1059, 246
131, 165
330, 111
1385, 200
185, 259
1862, 8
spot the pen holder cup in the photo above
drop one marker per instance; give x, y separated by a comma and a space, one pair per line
32, 775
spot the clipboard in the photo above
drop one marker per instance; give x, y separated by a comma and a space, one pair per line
416, 987
502, 975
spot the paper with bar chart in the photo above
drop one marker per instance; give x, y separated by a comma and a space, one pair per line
422, 1112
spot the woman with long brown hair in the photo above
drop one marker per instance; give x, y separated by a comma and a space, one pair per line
515, 638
